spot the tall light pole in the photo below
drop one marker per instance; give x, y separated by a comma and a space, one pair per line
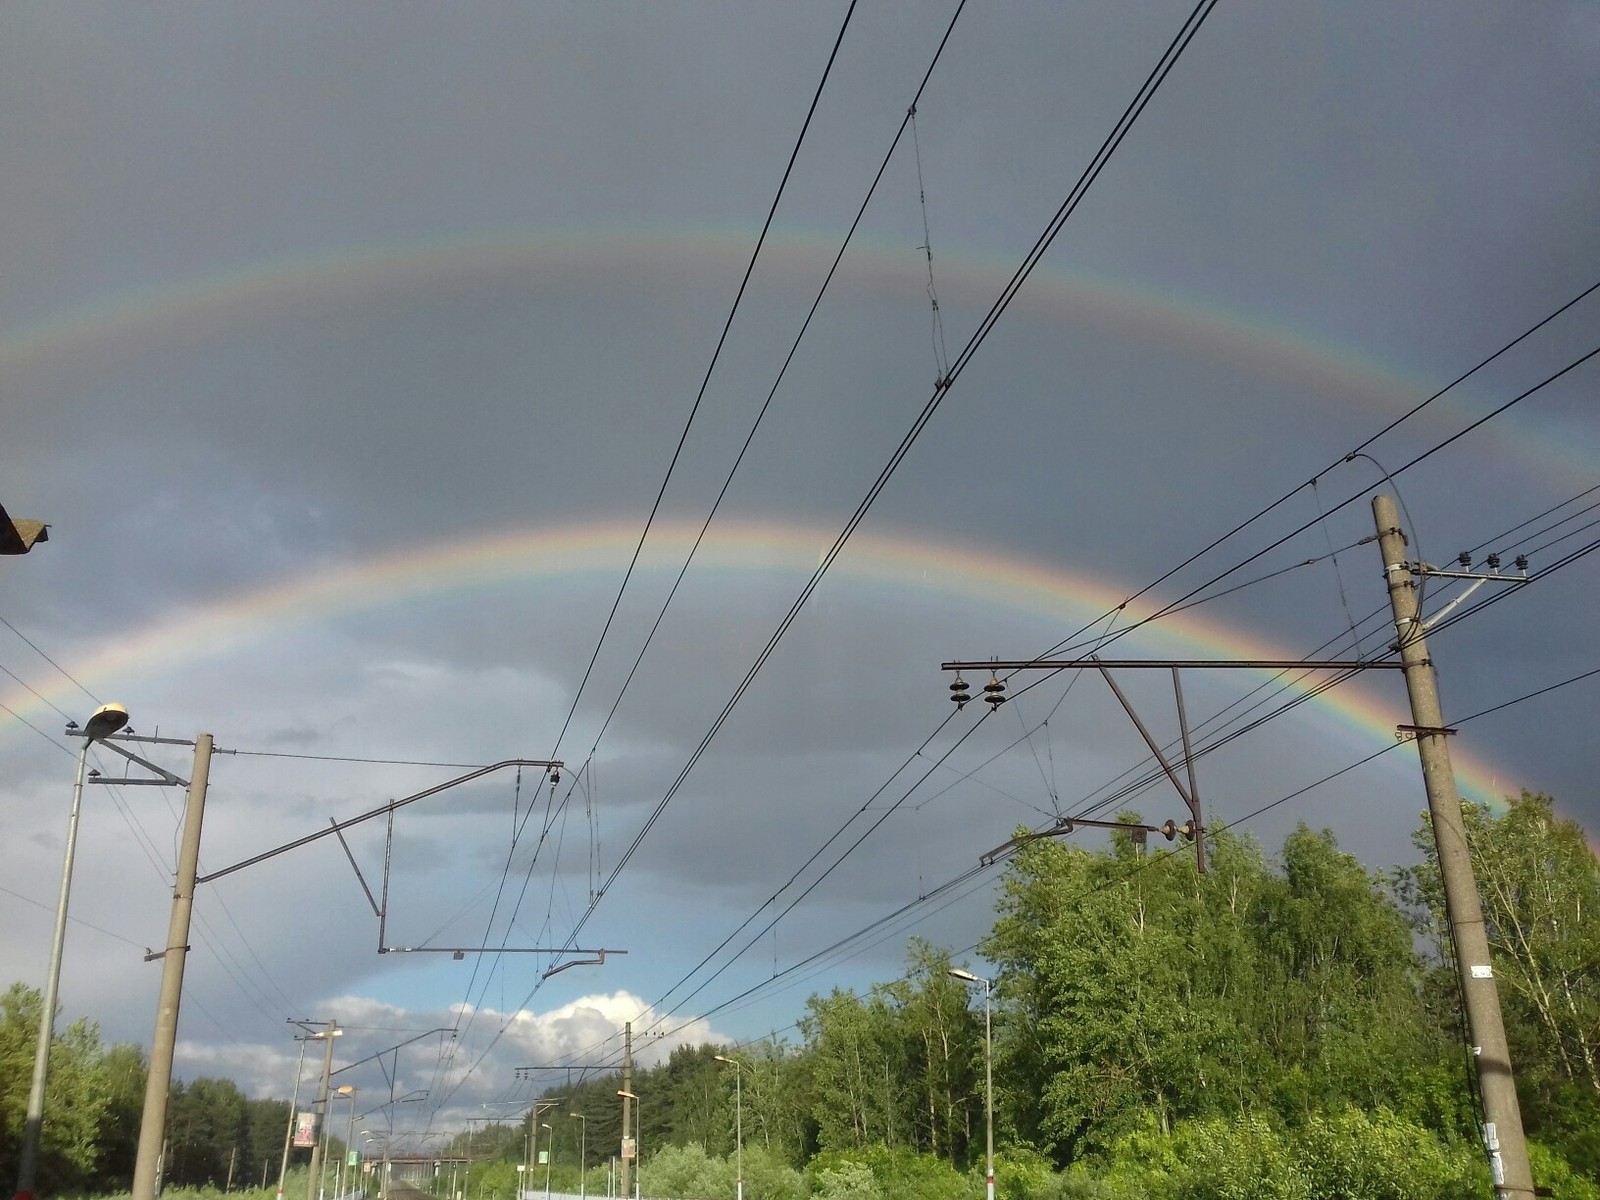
583, 1151
106, 720
327, 1136
348, 1091
738, 1117
988, 1072
319, 1108
549, 1158
294, 1102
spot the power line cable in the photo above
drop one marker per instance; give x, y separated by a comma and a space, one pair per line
65, 673
783, 371
705, 382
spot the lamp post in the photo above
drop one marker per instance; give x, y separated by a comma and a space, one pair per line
738, 1118
320, 1108
583, 1150
638, 1126
349, 1093
549, 1158
327, 1135
294, 1102
988, 1072
106, 720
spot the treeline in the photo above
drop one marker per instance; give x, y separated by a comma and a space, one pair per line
93, 1107
1271, 1027
1282, 1026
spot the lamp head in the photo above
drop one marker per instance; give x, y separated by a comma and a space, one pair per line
105, 721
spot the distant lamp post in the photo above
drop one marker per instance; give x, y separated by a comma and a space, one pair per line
988, 1071
105, 721
549, 1158
738, 1117
583, 1153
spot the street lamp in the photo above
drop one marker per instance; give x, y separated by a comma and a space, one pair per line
738, 1117
549, 1158
988, 1071
105, 721
583, 1152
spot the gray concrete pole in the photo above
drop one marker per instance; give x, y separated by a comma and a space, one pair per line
623, 1183
313, 1182
1503, 1136
152, 1128
33, 1123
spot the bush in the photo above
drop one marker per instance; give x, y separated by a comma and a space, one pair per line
685, 1173
894, 1174
847, 1181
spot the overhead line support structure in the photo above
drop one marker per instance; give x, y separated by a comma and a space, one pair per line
1503, 1137
1188, 788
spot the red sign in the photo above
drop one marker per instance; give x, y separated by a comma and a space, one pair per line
305, 1129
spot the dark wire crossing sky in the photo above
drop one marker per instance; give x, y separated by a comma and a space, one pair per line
409, 390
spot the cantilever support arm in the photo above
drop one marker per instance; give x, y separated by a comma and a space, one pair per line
381, 810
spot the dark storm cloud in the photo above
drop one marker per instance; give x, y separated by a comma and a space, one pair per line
1326, 214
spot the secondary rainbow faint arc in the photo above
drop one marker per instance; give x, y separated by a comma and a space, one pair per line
362, 278
549, 553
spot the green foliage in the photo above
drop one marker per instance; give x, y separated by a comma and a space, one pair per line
1552, 1171
1141, 994
847, 1180
889, 1173
75, 1100
686, 1172
1539, 884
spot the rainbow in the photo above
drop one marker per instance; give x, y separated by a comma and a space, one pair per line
168, 318
521, 555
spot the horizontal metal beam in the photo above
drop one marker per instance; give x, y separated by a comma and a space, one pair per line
1247, 664
381, 810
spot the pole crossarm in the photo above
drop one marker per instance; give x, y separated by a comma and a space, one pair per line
381, 810
168, 779
1065, 826
462, 951
1242, 664
1188, 789
450, 1029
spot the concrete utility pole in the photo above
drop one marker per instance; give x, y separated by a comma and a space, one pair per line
1502, 1128
153, 1125
627, 1111
321, 1110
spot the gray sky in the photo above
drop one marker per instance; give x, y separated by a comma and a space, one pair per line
346, 349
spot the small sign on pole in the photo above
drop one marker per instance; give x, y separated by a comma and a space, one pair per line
629, 1148
305, 1129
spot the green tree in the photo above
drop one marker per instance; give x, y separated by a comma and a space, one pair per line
125, 1071
858, 1069
75, 1101
1539, 884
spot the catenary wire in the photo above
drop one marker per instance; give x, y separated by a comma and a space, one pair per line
706, 380
1119, 132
